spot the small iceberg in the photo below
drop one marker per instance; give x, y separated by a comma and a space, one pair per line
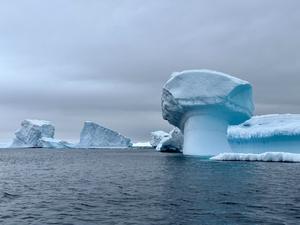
157, 136
167, 142
171, 143
264, 157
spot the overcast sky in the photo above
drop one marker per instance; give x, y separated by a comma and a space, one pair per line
68, 61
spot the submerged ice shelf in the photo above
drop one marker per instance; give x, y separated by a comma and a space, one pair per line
265, 157
202, 103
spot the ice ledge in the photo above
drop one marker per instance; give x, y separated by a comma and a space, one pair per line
265, 127
264, 157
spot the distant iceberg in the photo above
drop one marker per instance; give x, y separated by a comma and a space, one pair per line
5, 144
95, 136
265, 157
37, 134
141, 144
31, 132
275, 133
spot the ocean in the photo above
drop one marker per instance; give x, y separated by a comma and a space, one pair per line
88, 187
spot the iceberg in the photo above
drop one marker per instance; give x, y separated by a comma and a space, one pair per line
265, 157
274, 132
31, 132
5, 144
157, 136
171, 143
95, 136
141, 145
45, 142
202, 103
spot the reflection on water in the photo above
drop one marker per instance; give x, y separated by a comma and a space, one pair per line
143, 187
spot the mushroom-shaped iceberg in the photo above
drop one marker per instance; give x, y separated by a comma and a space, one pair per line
202, 103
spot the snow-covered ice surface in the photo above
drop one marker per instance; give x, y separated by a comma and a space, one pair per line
157, 136
31, 131
265, 157
171, 143
53, 143
198, 89
202, 103
95, 136
265, 126
275, 132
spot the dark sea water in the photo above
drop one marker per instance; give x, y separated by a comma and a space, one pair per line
143, 187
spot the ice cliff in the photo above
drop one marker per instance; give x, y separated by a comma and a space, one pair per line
95, 136
275, 132
202, 103
31, 132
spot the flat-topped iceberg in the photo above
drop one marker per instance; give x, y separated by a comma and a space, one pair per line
265, 157
275, 132
31, 132
95, 136
171, 143
202, 103
45, 142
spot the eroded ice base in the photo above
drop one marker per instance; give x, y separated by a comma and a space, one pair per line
205, 134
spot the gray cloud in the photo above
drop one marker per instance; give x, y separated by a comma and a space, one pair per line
70, 61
